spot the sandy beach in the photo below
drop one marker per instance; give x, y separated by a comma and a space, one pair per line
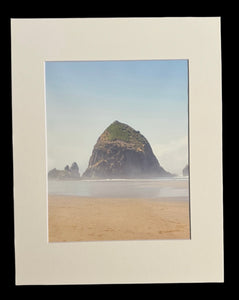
73, 218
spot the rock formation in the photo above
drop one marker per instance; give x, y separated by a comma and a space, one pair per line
74, 170
68, 173
185, 171
122, 152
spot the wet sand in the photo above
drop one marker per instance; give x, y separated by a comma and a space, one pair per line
73, 218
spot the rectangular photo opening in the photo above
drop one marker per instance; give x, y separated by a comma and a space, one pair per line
117, 150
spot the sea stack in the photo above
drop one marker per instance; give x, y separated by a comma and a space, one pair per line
185, 171
68, 173
122, 152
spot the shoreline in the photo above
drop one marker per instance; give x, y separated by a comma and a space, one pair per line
75, 218
121, 179
158, 199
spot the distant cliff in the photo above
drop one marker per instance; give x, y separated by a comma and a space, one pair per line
122, 152
68, 173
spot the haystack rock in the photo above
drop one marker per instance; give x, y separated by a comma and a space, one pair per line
122, 152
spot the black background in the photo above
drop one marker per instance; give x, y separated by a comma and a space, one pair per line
67, 9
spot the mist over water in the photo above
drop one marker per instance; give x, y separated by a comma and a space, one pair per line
121, 188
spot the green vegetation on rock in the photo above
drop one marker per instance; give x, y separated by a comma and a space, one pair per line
123, 132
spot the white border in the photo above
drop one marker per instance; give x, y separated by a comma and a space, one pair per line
197, 260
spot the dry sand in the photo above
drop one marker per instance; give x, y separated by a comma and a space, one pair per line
73, 218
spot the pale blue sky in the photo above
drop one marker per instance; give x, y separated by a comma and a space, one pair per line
84, 97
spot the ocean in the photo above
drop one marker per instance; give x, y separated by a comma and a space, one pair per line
122, 188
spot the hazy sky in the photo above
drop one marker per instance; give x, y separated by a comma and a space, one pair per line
83, 98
